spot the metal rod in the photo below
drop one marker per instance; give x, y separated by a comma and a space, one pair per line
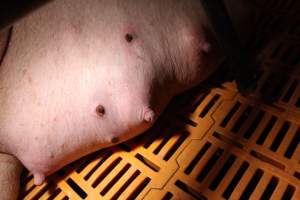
240, 62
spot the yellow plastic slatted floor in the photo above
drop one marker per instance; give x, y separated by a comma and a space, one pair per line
210, 144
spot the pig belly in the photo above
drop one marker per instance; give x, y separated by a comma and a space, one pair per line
52, 119
83, 75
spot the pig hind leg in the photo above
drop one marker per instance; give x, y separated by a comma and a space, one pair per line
10, 171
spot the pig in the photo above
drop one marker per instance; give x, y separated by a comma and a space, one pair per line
79, 75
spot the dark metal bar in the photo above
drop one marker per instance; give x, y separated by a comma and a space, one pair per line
241, 64
12, 10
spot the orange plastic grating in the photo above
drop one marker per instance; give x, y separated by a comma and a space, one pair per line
209, 144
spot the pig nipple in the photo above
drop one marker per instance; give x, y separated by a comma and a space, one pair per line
39, 178
206, 47
115, 140
100, 111
149, 116
129, 37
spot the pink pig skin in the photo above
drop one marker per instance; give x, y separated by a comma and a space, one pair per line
72, 56
10, 169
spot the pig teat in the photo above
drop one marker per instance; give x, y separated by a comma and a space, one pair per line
100, 110
129, 37
149, 116
39, 178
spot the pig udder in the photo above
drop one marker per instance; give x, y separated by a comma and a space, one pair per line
95, 73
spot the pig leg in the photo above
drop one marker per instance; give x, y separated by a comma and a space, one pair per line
10, 171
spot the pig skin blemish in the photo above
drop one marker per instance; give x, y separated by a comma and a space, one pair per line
51, 156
